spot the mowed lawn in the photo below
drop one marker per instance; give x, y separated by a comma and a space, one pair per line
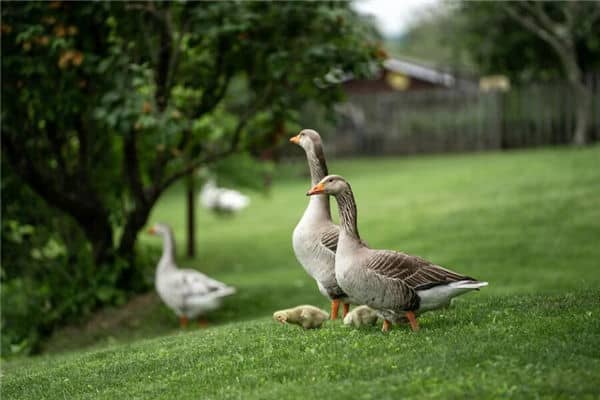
528, 222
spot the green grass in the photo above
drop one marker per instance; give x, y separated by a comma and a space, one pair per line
528, 222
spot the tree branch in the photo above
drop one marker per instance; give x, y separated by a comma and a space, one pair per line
586, 16
532, 25
146, 7
595, 14
206, 104
167, 59
82, 151
563, 46
192, 166
147, 35
56, 146
537, 10
215, 88
164, 56
229, 150
177, 52
132, 168
164, 62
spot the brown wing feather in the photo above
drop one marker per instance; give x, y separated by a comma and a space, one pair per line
415, 272
329, 238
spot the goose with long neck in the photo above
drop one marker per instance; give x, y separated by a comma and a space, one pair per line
395, 284
315, 237
167, 259
189, 293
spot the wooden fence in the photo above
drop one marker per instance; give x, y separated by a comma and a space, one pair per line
434, 121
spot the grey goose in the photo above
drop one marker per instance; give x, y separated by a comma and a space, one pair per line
315, 237
395, 284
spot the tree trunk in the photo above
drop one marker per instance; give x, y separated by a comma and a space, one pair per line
191, 215
582, 114
99, 233
583, 97
561, 38
132, 278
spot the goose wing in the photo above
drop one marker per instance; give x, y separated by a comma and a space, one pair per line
415, 272
329, 238
191, 283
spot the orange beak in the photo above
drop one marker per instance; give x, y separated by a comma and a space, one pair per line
317, 189
152, 231
295, 139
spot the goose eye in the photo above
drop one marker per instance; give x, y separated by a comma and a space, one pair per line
330, 180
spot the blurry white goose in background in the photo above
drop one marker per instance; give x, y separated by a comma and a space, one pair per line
222, 200
187, 292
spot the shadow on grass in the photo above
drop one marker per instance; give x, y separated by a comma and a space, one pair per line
145, 316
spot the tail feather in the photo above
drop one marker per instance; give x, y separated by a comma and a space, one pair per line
468, 284
226, 291
215, 294
212, 299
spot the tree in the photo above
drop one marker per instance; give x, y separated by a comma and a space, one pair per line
561, 33
106, 105
431, 38
525, 37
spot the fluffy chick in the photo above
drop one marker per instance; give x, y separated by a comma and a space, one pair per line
361, 316
308, 317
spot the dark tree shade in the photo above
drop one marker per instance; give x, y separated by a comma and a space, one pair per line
107, 104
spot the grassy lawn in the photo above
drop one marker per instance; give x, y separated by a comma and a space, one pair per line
528, 222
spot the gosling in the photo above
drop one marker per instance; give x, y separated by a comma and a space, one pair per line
361, 316
306, 316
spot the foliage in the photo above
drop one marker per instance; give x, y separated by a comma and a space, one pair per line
480, 35
433, 38
499, 44
533, 332
106, 105
47, 276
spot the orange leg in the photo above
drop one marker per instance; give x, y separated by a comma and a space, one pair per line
183, 322
335, 304
413, 321
346, 309
202, 323
387, 325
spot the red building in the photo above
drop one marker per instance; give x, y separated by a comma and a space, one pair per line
403, 75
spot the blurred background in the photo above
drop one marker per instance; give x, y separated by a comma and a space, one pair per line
114, 116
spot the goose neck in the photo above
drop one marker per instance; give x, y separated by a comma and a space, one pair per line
318, 207
168, 254
348, 213
316, 164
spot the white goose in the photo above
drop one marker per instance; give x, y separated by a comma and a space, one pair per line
395, 284
187, 292
315, 237
222, 200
